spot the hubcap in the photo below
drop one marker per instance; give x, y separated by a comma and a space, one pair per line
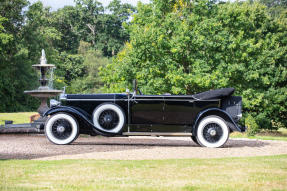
62, 129
212, 132
108, 119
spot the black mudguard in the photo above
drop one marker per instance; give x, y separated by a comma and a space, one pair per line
221, 113
79, 114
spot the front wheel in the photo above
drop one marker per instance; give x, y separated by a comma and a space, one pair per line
212, 131
61, 129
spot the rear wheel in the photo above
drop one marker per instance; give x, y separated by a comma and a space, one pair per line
109, 118
212, 131
61, 129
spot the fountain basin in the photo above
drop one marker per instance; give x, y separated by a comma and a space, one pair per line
46, 93
43, 95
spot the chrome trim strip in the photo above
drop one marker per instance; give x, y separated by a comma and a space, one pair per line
156, 134
191, 96
134, 100
112, 99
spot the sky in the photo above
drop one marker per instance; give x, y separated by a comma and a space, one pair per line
56, 4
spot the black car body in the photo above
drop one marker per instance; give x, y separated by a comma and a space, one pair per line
128, 114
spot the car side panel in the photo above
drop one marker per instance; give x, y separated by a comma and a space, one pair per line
146, 109
182, 110
178, 110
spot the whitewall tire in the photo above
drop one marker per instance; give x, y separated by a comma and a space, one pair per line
212, 131
109, 118
61, 129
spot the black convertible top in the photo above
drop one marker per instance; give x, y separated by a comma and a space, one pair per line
214, 94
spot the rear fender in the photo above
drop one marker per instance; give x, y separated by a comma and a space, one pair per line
218, 112
77, 113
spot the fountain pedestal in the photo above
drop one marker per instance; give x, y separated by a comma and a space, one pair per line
43, 92
44, 106
43, 95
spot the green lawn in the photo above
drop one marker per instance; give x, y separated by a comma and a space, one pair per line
21, 117
281, 135
253, 173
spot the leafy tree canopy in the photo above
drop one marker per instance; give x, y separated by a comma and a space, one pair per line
184, 47
15, 72
26, 29
276, 7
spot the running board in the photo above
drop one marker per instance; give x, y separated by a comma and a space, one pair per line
156, 134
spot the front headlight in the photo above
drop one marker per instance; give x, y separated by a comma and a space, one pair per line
54, 103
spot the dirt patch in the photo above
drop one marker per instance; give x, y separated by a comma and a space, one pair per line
130, 148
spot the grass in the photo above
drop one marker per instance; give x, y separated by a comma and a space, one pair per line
281, 135
21, 117
252, 173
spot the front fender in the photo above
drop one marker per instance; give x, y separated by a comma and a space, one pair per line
77, 113
221, 113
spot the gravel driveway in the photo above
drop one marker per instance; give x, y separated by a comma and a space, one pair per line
31, 146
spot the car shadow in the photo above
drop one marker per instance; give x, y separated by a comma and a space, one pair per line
37, 146
232, 143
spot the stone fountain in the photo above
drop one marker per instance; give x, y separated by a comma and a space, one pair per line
44, 91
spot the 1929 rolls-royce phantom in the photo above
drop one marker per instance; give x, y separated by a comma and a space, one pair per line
206, 117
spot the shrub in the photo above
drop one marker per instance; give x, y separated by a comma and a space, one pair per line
252, 126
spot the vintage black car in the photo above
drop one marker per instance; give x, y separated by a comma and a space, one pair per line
206, 117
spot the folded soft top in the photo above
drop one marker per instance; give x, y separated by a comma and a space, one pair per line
214, 94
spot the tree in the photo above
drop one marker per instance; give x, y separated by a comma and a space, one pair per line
274, 3
4, 37
15, 73
276, 7
67, 22
71, 66
26, 29
39, 33
89, 11
184, 47
103, 30
93, 60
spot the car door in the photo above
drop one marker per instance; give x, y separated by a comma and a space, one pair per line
147, 109
179, 110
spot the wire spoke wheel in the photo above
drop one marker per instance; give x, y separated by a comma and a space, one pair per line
108, 119
61, 129
212, 131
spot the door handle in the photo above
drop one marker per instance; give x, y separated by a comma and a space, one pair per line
134, 101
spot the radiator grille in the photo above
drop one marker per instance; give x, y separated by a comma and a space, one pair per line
233, 106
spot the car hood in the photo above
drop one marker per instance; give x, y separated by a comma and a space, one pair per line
96, 96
